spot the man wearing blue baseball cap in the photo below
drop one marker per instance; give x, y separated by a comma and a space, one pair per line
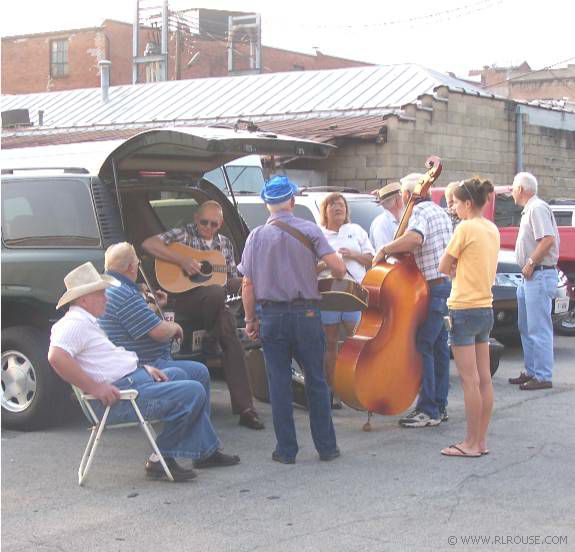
281, 303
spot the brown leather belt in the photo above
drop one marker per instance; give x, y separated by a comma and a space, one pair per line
436, 281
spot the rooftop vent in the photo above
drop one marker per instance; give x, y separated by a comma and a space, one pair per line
15, 118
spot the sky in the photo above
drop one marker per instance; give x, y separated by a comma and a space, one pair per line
446, 35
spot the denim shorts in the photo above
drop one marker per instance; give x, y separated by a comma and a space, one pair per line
470, 326
335, 317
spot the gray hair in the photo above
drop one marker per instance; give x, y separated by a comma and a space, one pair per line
527, 181
210, 204
408, 182
119, 257
275, 207
390, 201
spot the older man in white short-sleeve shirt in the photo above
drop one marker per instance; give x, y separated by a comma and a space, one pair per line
82, 355
537, 252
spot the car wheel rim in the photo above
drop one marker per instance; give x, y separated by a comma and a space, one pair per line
18, 381
568, 322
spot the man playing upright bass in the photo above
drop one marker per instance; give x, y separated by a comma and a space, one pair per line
427, 235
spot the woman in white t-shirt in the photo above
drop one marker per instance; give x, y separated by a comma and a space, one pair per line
352, 243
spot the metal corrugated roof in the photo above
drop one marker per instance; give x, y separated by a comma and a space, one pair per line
318, 129
353, 91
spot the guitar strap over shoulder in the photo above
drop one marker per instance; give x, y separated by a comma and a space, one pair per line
300, 236
297, 234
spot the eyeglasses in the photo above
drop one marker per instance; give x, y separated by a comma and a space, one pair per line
205, 222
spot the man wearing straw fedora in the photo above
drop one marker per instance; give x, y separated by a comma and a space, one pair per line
384, 226
83, 356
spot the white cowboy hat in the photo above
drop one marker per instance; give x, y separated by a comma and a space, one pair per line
82, 280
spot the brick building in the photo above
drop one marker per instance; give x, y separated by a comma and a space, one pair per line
384, 120
67, 60
523, 83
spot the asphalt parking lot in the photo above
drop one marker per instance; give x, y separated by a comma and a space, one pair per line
390, 490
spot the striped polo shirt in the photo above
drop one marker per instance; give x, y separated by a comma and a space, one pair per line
128, 320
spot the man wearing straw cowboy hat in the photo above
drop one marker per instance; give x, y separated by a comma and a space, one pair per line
83, 356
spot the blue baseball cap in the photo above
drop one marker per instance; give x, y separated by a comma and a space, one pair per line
278, 189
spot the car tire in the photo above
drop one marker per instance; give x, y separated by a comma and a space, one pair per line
32, 393
566, 324
495, 352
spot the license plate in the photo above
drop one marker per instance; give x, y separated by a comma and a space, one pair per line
561, 305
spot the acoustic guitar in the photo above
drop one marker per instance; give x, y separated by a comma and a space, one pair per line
342, 295
174, 279
336, 295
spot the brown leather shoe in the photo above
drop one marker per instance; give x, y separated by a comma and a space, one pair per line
534, 385
217, 460
154, 470
251, 420
522, 378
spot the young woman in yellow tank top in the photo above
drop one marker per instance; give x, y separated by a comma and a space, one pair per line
471, 260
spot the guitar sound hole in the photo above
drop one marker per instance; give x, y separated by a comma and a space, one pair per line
205, 273
206, 268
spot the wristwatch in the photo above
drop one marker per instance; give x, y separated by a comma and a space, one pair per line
530, 261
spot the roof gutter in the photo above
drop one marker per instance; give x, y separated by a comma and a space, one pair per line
519, 138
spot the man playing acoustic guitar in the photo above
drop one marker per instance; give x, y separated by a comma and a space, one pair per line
206, 305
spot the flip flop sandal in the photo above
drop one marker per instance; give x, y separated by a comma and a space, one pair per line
460, 452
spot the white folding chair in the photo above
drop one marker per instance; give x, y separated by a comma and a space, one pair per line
99, 424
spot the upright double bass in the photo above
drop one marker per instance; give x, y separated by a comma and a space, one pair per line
378, 369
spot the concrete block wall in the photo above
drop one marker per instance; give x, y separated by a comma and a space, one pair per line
472, 135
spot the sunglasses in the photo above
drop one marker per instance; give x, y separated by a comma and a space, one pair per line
212, 223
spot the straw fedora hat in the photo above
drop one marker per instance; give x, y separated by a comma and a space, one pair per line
388, 190
82, 280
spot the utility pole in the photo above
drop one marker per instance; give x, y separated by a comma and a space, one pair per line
160, 58
178, 73
165, 24
135, 42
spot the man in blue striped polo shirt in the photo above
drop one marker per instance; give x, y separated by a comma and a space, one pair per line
130, 323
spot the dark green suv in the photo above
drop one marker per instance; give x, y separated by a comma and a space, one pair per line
64, 205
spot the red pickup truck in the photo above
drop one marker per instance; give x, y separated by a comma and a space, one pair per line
501, 209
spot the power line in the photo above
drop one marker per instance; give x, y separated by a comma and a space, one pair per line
461, 10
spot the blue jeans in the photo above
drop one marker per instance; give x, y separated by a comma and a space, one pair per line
182, 404
534, 302
195, 371
470, 326
431, 342
290, 331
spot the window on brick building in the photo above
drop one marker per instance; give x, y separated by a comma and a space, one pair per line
59, 58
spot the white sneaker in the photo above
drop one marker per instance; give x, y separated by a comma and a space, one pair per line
418, 419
